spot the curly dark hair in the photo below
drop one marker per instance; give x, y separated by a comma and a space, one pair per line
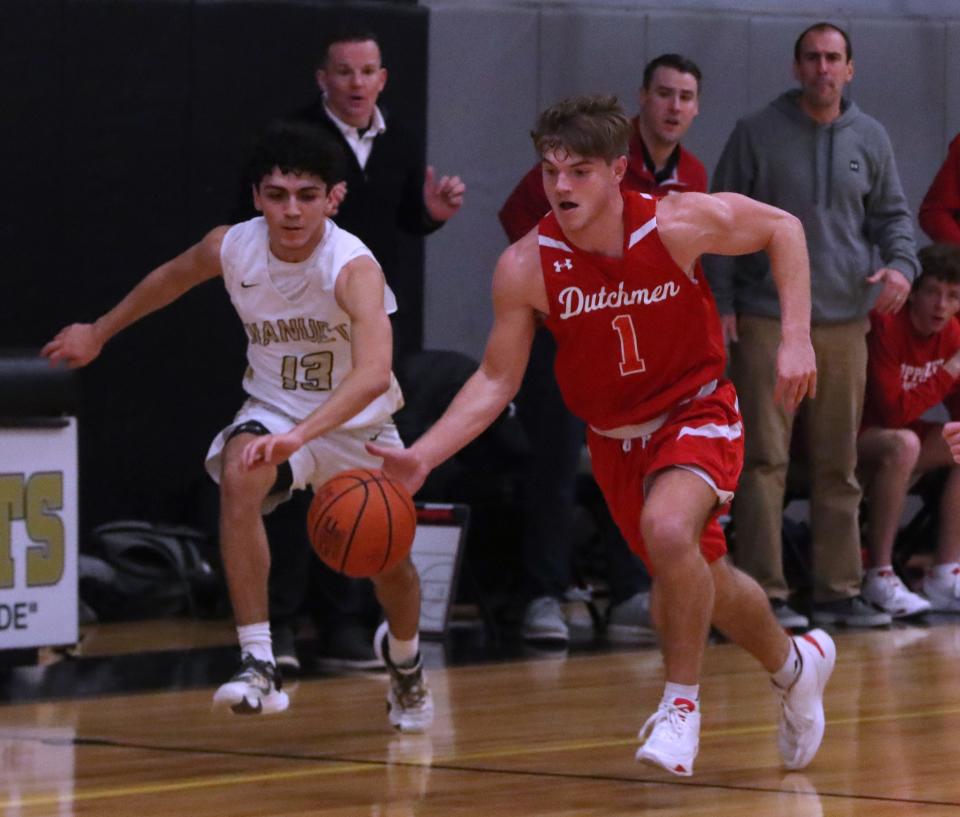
299, 148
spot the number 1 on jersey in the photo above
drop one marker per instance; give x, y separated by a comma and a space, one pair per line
630, 360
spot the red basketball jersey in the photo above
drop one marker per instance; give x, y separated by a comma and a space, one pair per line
635, 335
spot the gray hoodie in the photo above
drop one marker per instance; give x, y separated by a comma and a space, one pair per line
841, 181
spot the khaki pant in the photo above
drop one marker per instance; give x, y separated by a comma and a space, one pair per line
831, 423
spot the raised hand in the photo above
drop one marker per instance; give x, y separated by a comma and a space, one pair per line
442, 198
335, 197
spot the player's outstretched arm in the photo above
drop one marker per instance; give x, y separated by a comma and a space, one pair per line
485, 395
359, 292
80, 343
730, 224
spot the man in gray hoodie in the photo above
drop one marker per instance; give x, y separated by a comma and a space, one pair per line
817, 155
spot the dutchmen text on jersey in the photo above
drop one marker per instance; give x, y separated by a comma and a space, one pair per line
635, 334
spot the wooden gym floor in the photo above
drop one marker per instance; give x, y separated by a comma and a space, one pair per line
127, 730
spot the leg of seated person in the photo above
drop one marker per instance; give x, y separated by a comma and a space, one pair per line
935, 453
942, 584
887, 462
887, 458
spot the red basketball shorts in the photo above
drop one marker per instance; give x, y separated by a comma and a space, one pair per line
703, 435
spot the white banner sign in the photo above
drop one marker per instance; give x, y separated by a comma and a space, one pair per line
38, 536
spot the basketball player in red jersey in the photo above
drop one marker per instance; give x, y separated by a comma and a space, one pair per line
640, 358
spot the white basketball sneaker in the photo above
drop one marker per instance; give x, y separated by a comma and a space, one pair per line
885, 589
801, 705
672, 737
254, 689
409, 701
943, 591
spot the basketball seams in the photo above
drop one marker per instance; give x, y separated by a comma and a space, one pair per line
372, 536
389, 514
403, 497
356, 524
321, 514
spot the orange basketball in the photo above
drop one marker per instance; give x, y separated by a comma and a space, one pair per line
361, 523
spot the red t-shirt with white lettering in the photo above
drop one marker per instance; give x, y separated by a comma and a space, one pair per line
905, 374
635, 335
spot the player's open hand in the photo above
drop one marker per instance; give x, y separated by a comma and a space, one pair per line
442, 198
796, 373
270, 449
402, 465
951, 433
76, 345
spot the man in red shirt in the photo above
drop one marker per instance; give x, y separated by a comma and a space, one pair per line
914, 362
656, 161
940, 209
640, 358
657, 164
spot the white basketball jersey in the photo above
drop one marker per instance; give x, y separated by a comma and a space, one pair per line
298, 350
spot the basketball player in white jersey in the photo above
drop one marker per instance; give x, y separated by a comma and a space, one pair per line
314, 304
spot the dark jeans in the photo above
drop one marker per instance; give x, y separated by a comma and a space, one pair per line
550, 489
300, 583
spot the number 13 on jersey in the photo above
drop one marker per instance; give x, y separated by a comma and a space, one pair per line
630, 360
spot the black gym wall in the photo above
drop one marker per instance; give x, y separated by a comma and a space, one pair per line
124, 127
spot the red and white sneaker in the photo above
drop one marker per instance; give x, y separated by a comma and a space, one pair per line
801, 705
672, 737
885, 589
943, 591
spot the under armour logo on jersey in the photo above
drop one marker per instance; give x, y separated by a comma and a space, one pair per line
560, 265
245, 285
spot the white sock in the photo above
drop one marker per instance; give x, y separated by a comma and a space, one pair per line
255, 640
689, 692
403, 654
945, 572
788, 673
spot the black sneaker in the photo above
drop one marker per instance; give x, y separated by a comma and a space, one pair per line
347, 648
254, 689
285, 649
852, 612
409, 702
787, 617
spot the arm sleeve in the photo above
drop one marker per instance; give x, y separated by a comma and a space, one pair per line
889, 224
940, 209
525, 206
734, 174
891, 404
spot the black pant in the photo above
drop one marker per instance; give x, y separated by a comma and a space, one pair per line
300, 583
550, 489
